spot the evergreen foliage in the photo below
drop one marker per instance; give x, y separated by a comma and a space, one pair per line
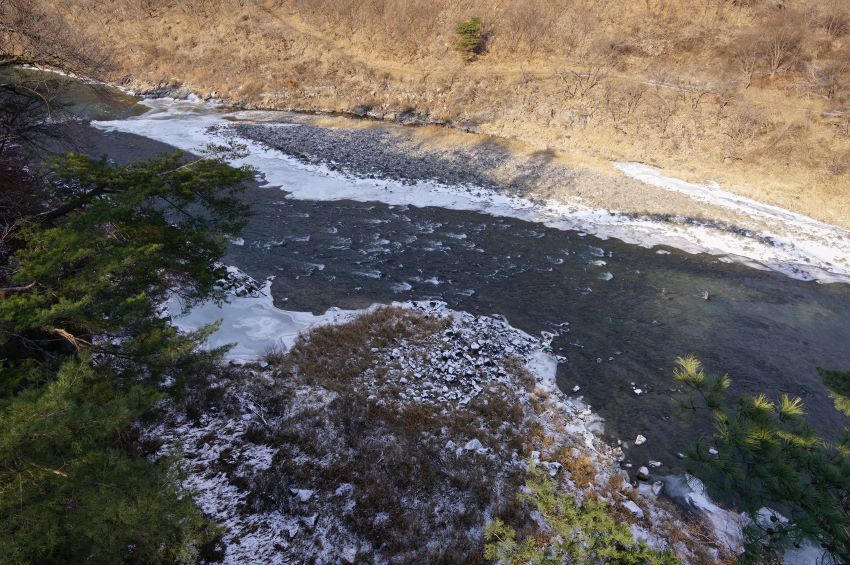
769, 457
84, 356
470, 37
838, 383
576, 533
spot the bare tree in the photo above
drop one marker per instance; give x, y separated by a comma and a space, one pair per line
587, 74
746, 53
782, 47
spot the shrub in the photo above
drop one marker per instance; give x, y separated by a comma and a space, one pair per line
470, 37
838, 383
577, 533
766, 455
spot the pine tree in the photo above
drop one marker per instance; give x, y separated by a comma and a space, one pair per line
765, 455
574, 533
84, 356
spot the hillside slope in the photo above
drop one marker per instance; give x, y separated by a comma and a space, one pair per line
751, 94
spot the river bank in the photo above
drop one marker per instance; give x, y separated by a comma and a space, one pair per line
589, 96
454, 406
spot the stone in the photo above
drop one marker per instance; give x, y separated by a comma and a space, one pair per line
713, 451
633, 508
310, 521
576, 388
640, 440
657, 487
473, 445
303, 494
655, 464
344, 489
349, 554
643, 473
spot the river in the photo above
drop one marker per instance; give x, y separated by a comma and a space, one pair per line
620, 313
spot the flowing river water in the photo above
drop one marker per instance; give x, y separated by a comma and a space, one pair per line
620, 313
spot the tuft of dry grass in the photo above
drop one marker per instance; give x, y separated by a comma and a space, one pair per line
581, 468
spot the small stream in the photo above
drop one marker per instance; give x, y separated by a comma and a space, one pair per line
621, 313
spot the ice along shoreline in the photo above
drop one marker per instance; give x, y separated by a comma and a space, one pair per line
797, 246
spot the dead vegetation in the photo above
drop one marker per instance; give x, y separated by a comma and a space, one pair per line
334, 452
329, 413
663, 81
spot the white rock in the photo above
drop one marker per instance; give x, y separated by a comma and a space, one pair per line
473, 445
303, 494
657, 487
633, 508
640, 440
643, 473
638, 391
655, 464
576, 388
344, 489
349, 554
712, 451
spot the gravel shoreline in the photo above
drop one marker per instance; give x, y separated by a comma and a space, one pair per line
396, 154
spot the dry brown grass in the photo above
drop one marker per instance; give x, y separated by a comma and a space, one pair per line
581, 468
749, 94
407, 487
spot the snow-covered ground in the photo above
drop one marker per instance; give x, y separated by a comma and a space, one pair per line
795, 245
469, 358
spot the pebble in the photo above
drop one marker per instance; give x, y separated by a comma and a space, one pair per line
640, 440
349, 554
643, 473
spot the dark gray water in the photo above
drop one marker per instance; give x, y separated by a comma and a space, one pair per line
767, 331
